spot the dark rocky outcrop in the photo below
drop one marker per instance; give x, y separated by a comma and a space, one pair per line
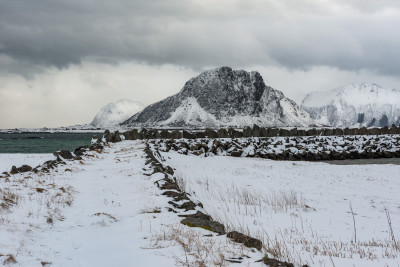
65, 154
23, 168
205, 224
246, 240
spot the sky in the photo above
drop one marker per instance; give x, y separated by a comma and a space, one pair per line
61, 61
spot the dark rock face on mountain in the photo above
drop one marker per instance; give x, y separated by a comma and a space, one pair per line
223, 97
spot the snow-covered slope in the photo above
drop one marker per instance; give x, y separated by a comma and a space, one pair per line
117, 112
223, 97
355, 105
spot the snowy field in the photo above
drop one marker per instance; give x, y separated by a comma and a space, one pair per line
8, 160
106, 210
314, 213
102, 211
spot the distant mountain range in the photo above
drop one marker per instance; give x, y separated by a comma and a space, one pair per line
354, 105
114, 113
223, 97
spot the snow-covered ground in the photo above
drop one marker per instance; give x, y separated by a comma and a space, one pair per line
8, 160
102, 211
314, 213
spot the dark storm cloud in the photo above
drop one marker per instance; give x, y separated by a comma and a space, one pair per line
293, 34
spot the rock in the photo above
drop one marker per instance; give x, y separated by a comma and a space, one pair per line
177, 196
95, 146
247, 241
132, 134
348, 131
276, 263
65, 154
187, 135
50, 164
374, 131
273, 132
165, 134
339, 131
25, 168
200, 135
176, 135
293, 132
153, 134
236, 153
301, 133
362, 131
232, 133
198, 215
222, 133
311, 132
263, 132
115, 137
188, 205
210, 133
205, 224
393, 129
247, 132
256, 131
144, 133
327, 132
14, 170
107, 135
283, 132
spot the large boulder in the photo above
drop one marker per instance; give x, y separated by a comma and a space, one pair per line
132, 134
311, 132
247, 132
293, 132
107, 135
205, 224
256, 131
247, 241
23, 168
144, 134
339, 131
176, 134
362, 131
115, 137
165, 134
272, 132
284, 132
65, 154
393, 129
222, 133
232, 133
385, 130
210, 133
187, 135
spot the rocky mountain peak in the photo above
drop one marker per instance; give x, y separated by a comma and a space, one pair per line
224, 97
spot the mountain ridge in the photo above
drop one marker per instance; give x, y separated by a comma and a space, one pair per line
116, 112
223, 97
357, 104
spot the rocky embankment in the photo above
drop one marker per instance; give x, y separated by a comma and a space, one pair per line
309, 148
181, 201
254, 131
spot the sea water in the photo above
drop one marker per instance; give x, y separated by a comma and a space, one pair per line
28, 143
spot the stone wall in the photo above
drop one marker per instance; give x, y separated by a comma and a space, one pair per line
254, 131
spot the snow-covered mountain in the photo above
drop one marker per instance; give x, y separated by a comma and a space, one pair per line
223, 97
354, 105
117, 112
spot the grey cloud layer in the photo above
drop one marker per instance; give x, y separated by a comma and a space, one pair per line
349, 35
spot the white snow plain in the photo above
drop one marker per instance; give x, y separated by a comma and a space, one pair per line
302, 211
33, 160
104, 210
